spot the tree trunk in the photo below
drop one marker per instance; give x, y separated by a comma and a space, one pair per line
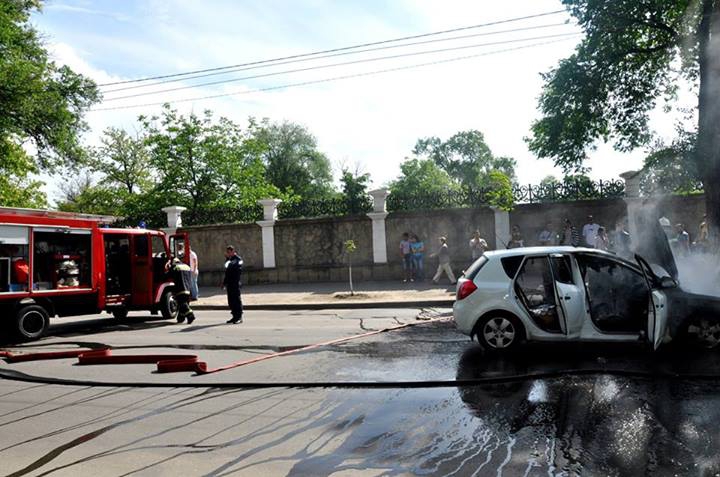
708, 142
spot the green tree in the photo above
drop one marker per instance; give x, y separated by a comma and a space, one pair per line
466, 158
123, 161
671, 169
422, 176
201, 163
41, 104
499, 191
17, 188
633, 54
82, 195
292, 160
354, 189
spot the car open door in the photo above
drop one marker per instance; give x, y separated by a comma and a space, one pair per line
180, 247
571, 297
657, 306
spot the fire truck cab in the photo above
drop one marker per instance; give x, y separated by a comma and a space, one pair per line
65, 264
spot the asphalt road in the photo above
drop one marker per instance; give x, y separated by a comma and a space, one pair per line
600, 423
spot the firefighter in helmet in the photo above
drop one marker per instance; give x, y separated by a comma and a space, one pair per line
181, 275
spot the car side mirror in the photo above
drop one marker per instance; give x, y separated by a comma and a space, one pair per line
668, 282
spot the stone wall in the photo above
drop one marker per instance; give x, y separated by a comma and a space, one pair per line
311, 250
457, 225
532, 218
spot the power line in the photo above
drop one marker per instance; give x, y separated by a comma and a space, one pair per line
332, 55
412, 37
345, 63
336, 78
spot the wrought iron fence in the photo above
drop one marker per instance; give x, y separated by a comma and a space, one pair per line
569, 191
341, 206
335, 207
223, 216
437, 200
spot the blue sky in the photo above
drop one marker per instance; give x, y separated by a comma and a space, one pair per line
371, 121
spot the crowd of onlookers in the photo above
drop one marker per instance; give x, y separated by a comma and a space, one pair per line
591, 235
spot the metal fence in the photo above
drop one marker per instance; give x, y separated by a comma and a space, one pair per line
341, 206
334, 207
568, 191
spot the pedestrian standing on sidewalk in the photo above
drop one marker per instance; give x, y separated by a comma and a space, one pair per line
231, 283
417, 247
516, 239
406, 255
478, 245
443, 262
602, 242
569, 235
194, 267
589, 232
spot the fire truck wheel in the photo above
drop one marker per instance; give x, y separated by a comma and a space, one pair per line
31, 322
168, 306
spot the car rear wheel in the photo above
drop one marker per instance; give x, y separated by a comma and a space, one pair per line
168, 306
704, 332
31, 322
499, 332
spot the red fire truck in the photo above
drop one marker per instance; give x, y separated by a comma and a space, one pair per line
65, 264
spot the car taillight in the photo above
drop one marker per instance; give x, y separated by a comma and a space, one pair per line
467, 287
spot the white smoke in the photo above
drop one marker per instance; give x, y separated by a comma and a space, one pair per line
699, 273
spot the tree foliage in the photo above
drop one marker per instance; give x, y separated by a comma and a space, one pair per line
671, 168
201, 163
422, 176
123, 160
466, 158
354, 189
41, 104
608, 87
41, 107
632, 56
17, 187
292, 160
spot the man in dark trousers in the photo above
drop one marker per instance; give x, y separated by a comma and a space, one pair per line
233, 268
182, 277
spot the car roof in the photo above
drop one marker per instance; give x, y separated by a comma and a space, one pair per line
513, 252
523, 251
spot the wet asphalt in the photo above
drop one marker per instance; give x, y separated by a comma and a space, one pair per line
611, 410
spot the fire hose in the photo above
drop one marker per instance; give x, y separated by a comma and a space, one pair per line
168, 363
173, 363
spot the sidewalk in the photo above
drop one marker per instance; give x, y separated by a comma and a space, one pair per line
385, 294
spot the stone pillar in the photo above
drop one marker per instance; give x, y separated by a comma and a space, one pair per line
502, 228
174, 218
268, 230
378, 216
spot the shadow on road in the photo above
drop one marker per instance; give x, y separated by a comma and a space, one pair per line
74, 328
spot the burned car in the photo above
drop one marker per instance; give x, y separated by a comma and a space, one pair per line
580, 294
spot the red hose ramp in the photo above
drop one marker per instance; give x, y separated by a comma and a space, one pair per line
173, 363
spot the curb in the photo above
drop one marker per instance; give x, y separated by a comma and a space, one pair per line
335, 305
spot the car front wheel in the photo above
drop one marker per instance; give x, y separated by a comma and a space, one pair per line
499, 333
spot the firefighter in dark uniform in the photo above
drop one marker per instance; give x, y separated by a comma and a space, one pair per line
231, 283
181, 275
